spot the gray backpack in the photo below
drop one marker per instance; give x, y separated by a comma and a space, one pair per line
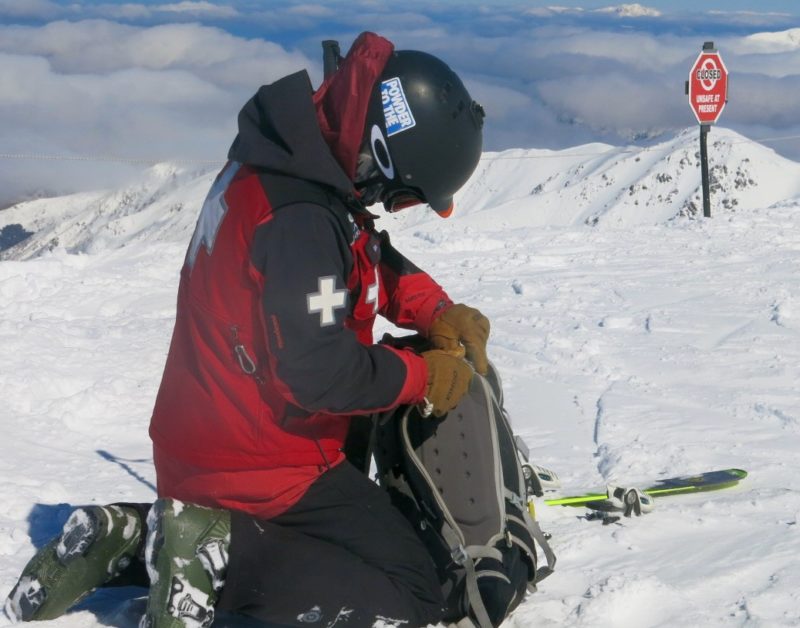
459, 481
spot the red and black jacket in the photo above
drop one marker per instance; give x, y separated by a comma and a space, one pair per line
272, 350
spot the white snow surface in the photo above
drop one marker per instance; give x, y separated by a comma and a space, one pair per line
636, 341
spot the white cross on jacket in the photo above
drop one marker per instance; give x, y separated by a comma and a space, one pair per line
326, 300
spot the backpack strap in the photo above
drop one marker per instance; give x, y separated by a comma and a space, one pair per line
515, 499
461, 557
541, 541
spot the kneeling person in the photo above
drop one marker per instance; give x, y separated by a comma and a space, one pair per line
272, 352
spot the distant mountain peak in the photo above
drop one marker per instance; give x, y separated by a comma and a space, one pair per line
773, 42
631, 10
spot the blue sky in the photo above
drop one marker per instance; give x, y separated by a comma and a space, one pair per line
165, 79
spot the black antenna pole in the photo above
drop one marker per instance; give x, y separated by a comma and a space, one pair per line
331, 56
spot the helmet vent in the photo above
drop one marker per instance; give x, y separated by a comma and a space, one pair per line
478, 114
445, 93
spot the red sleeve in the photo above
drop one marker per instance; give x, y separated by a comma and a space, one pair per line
416, 384
414, 298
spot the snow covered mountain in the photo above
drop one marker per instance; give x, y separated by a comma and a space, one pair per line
595, 184
631, 10
634, 342
772, 42
600, 184
150, 209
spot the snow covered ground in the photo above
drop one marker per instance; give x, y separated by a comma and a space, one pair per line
636, 342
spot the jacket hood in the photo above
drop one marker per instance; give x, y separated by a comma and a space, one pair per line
289, 129
343, 99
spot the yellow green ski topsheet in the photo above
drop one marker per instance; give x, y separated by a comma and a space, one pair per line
709, 481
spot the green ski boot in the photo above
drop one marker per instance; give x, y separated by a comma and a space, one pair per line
95, 545
187, 558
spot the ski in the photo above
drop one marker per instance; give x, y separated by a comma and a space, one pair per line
681, 485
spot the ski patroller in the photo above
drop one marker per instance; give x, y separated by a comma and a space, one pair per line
680, 485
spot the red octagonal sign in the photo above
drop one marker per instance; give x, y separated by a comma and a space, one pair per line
708, 87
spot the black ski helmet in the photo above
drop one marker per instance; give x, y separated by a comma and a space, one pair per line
423, 135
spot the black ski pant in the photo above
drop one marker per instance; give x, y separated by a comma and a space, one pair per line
342, 556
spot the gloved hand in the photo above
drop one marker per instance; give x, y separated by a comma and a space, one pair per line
448, 380
462, 330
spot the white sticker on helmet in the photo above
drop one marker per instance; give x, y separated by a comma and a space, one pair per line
380, 151
395, 107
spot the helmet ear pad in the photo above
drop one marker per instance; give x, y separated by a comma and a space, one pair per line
423, 133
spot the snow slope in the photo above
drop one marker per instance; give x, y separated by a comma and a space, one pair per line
635, 341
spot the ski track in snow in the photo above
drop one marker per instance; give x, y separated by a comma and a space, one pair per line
629, 352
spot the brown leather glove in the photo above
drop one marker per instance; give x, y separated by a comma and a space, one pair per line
462, 325
448, 380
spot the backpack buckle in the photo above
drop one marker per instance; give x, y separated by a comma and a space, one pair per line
459, 555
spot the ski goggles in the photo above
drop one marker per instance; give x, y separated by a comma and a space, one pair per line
407, 197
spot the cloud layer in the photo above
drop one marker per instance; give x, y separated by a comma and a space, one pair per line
101, 88
165, 80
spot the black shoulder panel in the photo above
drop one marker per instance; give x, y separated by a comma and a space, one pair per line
306, 260
283, 191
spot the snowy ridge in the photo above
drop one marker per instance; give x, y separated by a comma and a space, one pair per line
150, 209
624, 187
594, 184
